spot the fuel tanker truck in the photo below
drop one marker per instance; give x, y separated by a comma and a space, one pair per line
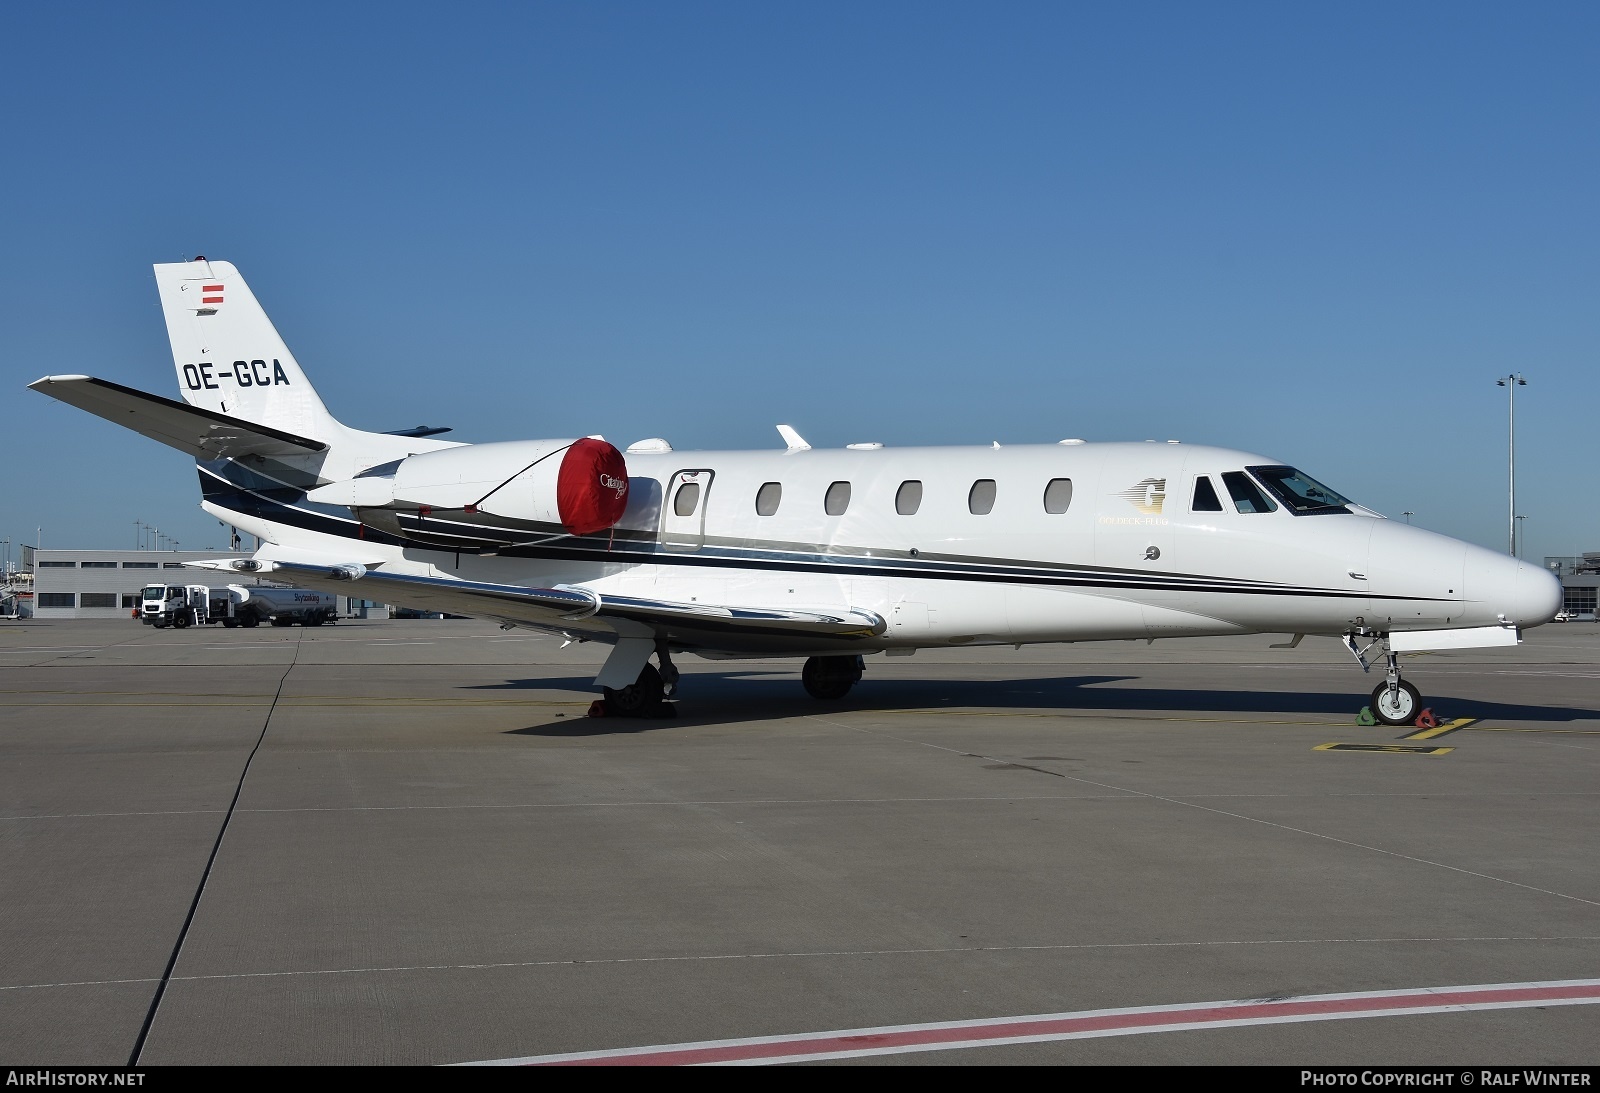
180, 605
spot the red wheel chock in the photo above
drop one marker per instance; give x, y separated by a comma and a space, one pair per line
1426, 720
597, 708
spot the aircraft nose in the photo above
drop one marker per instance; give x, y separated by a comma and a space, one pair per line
1536, 596
1510, 590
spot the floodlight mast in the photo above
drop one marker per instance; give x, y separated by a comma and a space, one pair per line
1511, 383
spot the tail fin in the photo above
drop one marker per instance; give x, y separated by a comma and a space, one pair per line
229, 357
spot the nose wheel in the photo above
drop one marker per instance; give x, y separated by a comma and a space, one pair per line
1394, 701
1397, 705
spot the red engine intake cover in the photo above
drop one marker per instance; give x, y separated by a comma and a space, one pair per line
591, 487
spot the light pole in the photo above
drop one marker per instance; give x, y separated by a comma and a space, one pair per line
1511, 383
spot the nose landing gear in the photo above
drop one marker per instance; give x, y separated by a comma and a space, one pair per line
1394, 701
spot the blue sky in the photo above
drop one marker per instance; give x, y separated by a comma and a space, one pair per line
1316, 232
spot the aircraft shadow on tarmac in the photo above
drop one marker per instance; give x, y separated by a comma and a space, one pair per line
710, 698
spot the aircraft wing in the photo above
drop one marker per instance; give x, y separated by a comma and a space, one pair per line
204, 434
580, 609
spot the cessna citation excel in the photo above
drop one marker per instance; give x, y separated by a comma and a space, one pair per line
825, 555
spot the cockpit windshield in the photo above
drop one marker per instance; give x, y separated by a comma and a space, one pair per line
1304, 495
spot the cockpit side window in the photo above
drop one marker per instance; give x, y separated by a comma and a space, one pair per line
1205, 495
1247, 496
1303, 495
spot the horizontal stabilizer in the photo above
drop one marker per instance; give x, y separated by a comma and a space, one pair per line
554, 607
202, 433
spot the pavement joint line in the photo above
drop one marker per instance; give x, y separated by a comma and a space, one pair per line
735, 802
1240, 816
205, 875
811, 954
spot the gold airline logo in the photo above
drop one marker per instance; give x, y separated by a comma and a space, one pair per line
1146, 496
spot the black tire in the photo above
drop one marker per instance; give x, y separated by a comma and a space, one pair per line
250, 620
229, 624
1404, 711
313, 619
181, 620
641, 698
830, 678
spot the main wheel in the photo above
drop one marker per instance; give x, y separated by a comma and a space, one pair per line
1402, 709
641, 698
830, 678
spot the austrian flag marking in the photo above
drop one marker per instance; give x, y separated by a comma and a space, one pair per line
212, 294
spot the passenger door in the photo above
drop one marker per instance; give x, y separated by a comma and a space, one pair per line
683, 514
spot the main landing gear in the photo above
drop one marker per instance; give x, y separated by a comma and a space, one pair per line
1394, 701
647, 695
831, 678
827, 678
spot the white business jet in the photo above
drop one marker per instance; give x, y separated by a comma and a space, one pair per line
826, 555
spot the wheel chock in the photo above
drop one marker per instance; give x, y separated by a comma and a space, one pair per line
1365, 717
1426, 720
597, 708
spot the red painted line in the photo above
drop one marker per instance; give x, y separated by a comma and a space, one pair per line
211, 299
211, 288
1083, 1024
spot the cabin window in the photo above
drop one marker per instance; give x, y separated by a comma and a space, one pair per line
1205, 495
908, 498
837, 499
1058, 496
767, 498
1247, 496
980, 498
686, 499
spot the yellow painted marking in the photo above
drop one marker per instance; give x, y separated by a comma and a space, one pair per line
1385, 749
1508, 728
1443, 729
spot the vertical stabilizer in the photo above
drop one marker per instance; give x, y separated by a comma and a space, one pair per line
228, 355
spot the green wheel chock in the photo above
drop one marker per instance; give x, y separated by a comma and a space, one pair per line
1365, 717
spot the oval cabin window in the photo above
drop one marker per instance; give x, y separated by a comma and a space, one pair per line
837, 499
1058, 496
767, 498
908, 498
980, 499
687, 497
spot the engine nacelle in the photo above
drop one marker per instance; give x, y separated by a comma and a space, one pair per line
580, 484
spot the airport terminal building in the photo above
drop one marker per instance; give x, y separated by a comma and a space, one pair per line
106, 584
1580, 583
